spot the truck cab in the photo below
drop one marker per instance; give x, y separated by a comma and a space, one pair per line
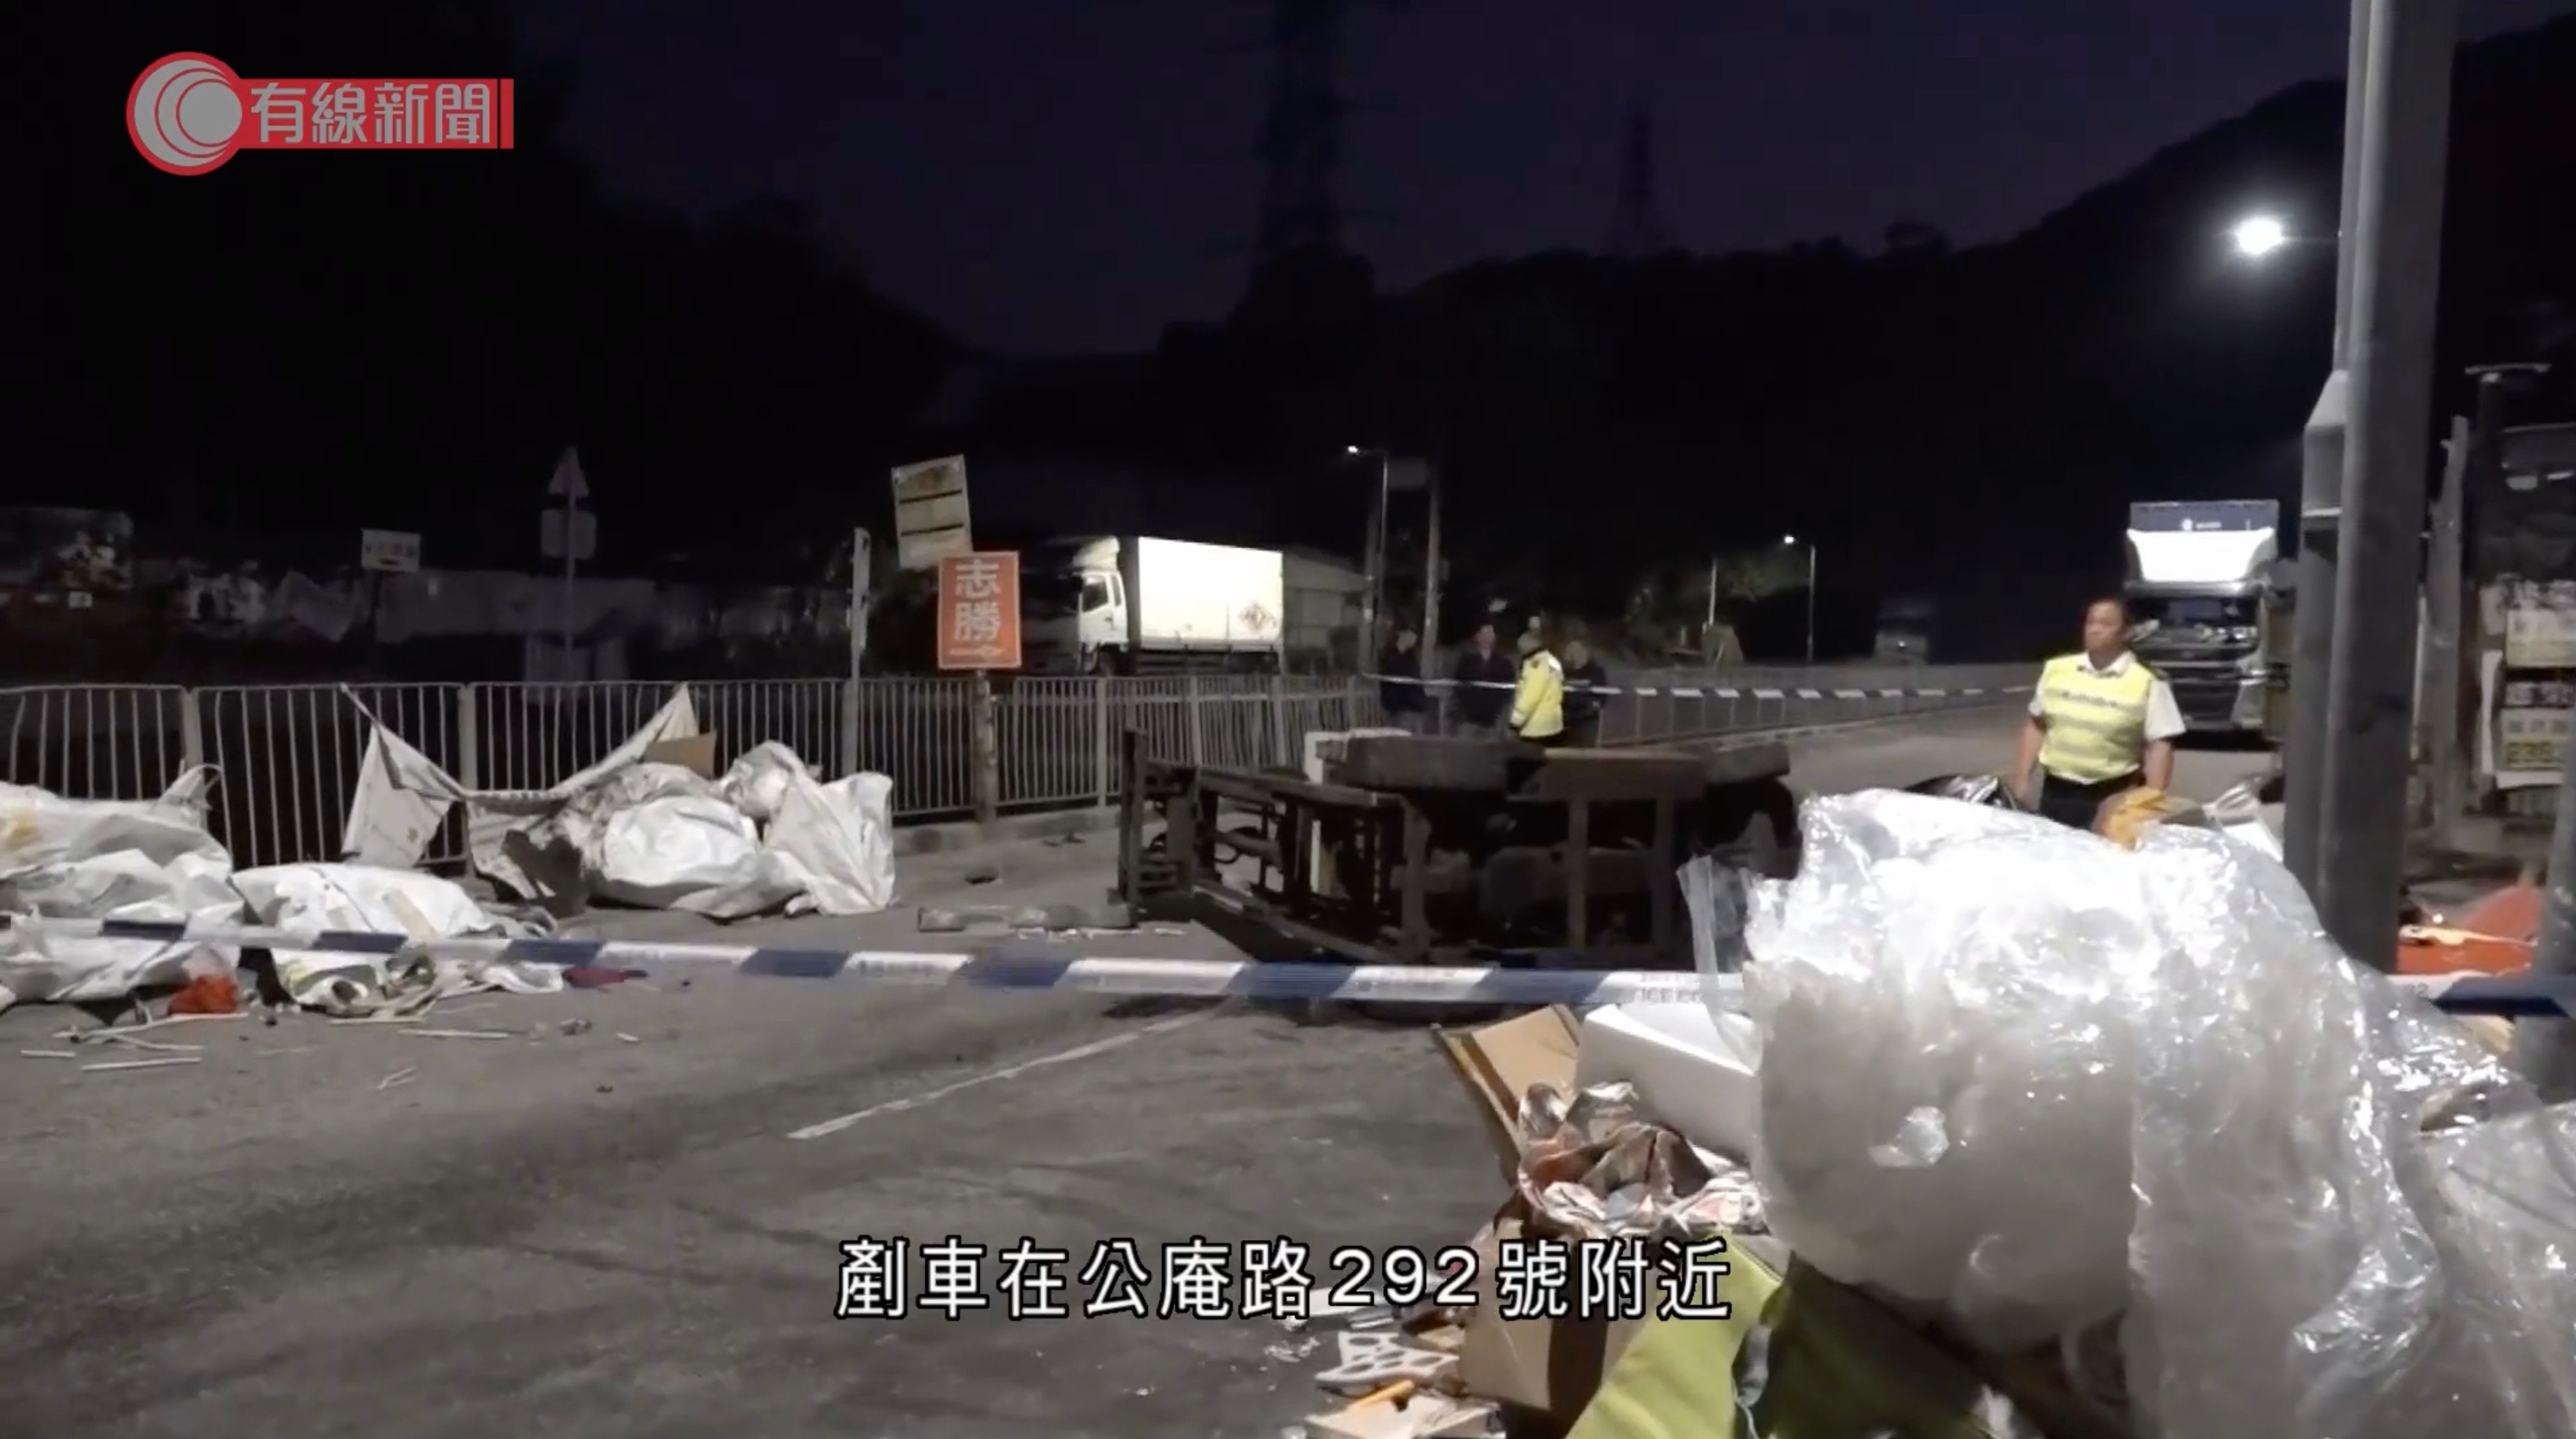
2202, 607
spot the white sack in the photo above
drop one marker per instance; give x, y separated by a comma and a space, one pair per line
839, 839
758, 782
147, 860
400, 799
369, 900
660, 837
1981, 1030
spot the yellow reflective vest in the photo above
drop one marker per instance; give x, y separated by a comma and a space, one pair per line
2095, 720
1538, 705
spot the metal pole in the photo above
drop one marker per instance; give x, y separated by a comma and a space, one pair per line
2361, 812
1373, 560
570, 549
861, 576
1431, 590
2437, 708
1708, 629
1811, 604
2312, 622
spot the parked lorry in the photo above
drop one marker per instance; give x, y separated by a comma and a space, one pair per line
1128, 604
2204, 608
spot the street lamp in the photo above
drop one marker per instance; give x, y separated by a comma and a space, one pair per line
1811, 595
2259, 235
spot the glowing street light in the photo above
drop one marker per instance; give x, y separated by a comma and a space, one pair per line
2259, 235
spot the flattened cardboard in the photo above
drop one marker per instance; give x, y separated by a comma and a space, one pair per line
1499, 1062
696, 754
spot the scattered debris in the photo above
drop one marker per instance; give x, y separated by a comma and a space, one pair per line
983, 874
573, 1026
630, 1039
1055, 918
47, 1054
1406, 1415
1287, 1353
398, 1078
459, 1033
1372, 1361
138, 1064
207, 995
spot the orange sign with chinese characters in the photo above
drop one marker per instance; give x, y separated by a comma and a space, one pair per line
979, 611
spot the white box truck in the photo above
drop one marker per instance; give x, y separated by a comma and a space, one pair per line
1127, 604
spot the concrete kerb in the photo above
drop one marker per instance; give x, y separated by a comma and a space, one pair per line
960, 836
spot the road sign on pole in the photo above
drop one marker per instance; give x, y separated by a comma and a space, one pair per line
930, 516
569, 532
979, 612
392, 552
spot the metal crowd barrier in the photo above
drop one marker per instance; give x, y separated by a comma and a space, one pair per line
289, 754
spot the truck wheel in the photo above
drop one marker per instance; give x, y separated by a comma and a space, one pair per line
1106, 663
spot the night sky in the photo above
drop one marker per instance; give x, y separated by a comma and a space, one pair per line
1054, 177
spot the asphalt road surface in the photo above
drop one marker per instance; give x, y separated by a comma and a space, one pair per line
635, 1230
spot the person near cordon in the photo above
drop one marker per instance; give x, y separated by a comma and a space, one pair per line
2101, 724
1482, 684
1538, 700
1400, 690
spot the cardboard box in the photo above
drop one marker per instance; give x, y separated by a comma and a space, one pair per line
1549, 1365
1500, 1062
696, 754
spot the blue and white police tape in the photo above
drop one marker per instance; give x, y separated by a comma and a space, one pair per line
1027, 963
1720, 692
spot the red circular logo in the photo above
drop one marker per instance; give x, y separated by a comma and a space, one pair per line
185, 113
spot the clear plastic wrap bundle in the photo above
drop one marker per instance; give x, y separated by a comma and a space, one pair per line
2020, 1074
1944, 994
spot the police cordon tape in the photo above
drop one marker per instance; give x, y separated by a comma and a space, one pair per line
1721, 692
1027, 963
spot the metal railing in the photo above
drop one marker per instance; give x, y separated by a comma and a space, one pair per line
290, 755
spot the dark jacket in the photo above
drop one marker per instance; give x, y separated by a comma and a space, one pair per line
1399, 691
1485, 684
1582, 702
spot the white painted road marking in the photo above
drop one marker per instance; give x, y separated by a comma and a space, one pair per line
1043, 1061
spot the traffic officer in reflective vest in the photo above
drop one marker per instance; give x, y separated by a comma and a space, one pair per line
2102, 723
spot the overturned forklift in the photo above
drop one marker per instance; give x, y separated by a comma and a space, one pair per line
1402, 849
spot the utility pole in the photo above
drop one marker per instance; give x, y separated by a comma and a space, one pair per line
2360, 837
1709, 627
2303, 757
2437, 700
1373, 561
862, 575
1811, 604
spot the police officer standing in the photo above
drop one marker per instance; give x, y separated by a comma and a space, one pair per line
2101, 724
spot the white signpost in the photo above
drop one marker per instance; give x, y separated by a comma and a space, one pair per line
570, 533
930, 519
389, 552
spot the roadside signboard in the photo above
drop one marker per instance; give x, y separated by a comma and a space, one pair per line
979, 611
392, 552
930, 518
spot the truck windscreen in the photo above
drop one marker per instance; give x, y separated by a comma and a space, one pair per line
1050, 592
2189, 610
